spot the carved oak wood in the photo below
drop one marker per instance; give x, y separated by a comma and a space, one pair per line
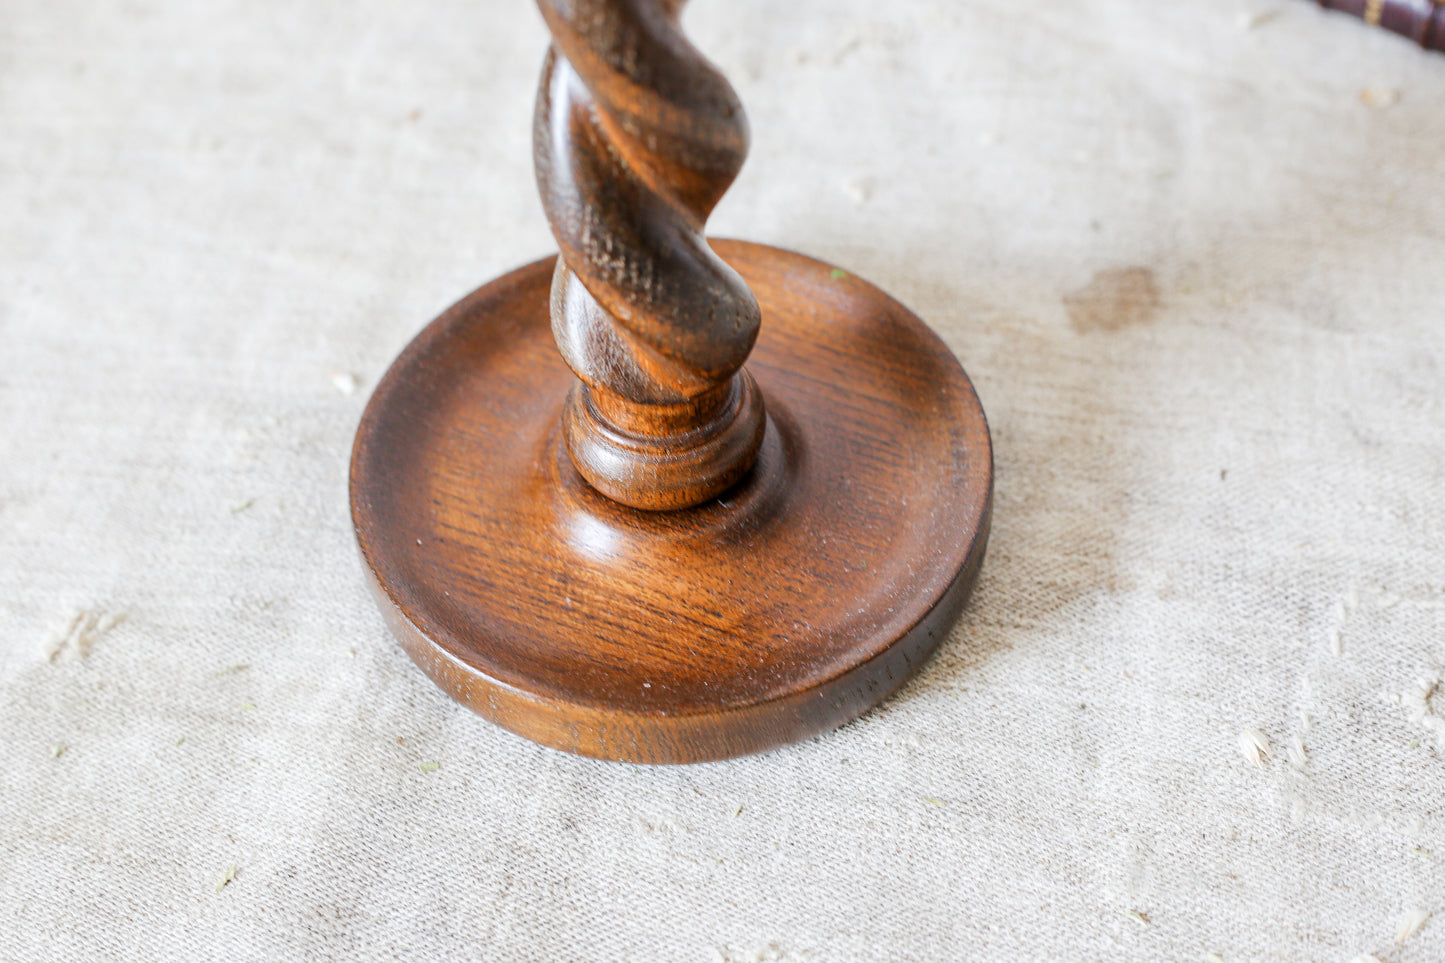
581, 514
637, 138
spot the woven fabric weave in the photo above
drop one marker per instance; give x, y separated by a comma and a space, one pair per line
1192, 255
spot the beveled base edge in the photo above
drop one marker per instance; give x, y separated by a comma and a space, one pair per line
698, 737
715, 725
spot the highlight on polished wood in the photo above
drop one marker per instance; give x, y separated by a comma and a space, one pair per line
663, 498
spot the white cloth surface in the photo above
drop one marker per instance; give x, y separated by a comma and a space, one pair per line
1198, 281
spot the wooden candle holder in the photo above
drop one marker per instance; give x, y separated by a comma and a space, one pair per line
645, 549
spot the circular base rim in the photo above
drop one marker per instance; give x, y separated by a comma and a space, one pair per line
727, 726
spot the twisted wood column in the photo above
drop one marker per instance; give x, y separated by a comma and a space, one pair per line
637, 137
855, 512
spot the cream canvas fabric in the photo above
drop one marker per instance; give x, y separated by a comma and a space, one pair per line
1192, 255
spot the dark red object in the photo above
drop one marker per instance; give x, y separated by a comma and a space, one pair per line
1423, 21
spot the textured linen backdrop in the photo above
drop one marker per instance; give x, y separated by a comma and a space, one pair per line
1192, 255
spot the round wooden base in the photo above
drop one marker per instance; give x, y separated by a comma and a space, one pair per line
788, 605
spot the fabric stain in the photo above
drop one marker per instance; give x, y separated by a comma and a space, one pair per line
85, 629
1114, 299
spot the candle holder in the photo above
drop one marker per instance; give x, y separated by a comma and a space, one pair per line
664, 498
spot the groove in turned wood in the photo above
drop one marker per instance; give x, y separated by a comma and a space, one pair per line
636, 139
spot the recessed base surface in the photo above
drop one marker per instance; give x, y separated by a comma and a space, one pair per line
790, 604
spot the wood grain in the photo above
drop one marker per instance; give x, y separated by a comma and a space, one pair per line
799, 598
641, 558
637, 137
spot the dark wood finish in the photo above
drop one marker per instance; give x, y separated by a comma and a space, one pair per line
637, 137
1423, 21
800, 598
649, 552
